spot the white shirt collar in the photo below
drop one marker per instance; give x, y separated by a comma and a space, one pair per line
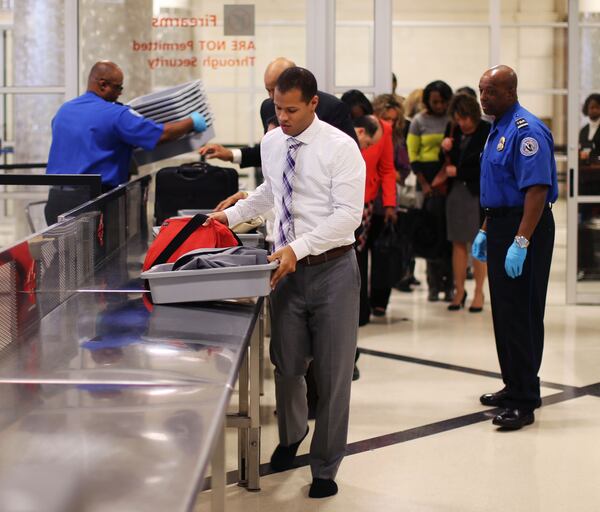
309, 134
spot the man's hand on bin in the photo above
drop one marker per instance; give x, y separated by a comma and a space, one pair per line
216, 151
479, 249
287, 264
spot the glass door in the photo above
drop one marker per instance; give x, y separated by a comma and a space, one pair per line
583, 243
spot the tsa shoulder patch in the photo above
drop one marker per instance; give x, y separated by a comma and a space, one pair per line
529, 146
521, 123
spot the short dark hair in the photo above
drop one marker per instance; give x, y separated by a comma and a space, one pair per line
355, 98
298, 78
465, 105
368, 123
436, 86
592, 97
273, 120
465, 89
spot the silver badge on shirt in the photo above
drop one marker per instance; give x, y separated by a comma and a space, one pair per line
501, 143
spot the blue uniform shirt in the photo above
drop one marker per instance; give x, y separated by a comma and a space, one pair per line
519, 153
94, 136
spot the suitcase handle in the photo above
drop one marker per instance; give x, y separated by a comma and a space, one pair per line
192, 171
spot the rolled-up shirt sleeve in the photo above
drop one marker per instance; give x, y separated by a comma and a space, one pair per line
347, 193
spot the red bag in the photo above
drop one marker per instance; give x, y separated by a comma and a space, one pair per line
179, 235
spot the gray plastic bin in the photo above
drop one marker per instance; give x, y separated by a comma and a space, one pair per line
168, 287
252, 239
191, 213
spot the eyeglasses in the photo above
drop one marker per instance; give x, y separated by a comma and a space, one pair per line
116, 87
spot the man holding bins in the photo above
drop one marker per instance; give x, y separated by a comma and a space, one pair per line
315, 179
518, 187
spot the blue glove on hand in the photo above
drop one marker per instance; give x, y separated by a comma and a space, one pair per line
199, 121
515, 257
479, 249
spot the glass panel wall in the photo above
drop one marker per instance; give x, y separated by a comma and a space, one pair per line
32, 56
437, 40
354, 43
588, 186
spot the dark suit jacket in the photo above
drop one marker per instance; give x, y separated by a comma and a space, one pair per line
595, 142
329, 109
467, 161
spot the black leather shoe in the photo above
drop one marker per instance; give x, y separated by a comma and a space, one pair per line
432, 296
497, 399
514, 419
283, 456
322, 488
494, 399
355, 373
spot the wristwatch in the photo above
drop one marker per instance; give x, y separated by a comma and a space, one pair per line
521, 241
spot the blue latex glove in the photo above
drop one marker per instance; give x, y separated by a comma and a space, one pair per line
479, 248
199, 121
515, 257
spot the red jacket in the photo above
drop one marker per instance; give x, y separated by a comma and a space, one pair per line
379, 159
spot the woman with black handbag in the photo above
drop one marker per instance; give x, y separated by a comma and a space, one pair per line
461, 150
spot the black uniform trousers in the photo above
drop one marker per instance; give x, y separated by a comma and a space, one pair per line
62, 199
518, 304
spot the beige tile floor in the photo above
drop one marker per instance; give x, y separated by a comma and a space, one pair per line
551, 466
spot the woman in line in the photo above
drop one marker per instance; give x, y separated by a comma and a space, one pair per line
387, 108
424, 142
463, 144
589, 135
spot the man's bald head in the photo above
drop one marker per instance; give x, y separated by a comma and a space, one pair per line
106, 80
274, 69
498, 90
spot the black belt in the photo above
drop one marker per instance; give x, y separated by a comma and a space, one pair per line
508, 211
329, 255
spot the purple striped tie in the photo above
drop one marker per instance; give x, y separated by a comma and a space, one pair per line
285, 233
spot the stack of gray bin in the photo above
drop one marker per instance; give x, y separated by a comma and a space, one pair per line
174, 104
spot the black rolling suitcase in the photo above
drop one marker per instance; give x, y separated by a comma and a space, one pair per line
192, 186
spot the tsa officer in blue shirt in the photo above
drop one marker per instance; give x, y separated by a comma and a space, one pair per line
94, 134
518, 187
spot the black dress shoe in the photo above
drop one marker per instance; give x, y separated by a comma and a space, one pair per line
414, 281
494, 399
514, 419
497, 399
321, 488
355, 373
432, 296
403, 285
283, 456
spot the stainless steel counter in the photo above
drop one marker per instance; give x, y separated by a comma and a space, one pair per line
105, 447
108, 402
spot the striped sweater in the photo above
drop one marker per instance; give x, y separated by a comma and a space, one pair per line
425, 138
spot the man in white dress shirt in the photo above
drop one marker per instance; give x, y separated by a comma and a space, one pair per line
315, 179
